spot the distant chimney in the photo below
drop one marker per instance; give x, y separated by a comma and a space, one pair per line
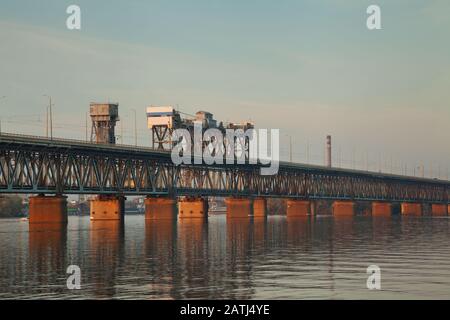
328, 153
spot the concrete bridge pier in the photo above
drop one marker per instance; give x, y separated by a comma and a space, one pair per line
411, 209
239, 207
48, 209
259, 208
193, 207
381, 209
160, 208
299, 208
107, 207
344, 208
439, 209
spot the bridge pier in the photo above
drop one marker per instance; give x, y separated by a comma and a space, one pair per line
239, 207
299, 208
259, 208
343, 208
438, 209
107, 207
381, 209
193, 207
411, 209
158, 208
48, 209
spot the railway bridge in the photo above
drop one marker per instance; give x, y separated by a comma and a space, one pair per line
50, 169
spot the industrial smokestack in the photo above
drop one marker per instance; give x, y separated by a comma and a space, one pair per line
328, 153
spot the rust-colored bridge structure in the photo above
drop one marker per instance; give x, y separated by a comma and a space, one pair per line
52, 168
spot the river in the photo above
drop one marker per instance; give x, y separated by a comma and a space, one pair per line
277, 258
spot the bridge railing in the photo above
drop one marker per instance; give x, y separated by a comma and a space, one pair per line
67, 141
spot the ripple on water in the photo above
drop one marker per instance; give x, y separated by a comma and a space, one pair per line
276, 259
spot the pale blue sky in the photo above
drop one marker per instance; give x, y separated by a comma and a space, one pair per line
310, 68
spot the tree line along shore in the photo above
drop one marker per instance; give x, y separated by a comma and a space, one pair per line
11, 206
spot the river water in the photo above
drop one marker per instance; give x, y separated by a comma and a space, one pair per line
280, 258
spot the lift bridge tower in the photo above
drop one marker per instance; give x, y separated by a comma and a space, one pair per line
163, 120
104, 117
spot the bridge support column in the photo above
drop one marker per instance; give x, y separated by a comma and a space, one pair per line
343, 208
108, 207
48, 209
438, 209
239, 207
299, 208
193, 207
381, 209
259, 208
157, 208
411, 209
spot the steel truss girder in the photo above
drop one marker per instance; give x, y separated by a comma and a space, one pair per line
63, 170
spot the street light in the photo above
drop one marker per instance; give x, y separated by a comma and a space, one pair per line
2, 97
135, 127
307, 151
49, 116
86, 123
290, 149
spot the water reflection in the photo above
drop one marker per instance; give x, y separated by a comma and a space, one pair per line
106, 254
240, 258
160, 241
386, 228
161, 262
240, 233
192, 259
47, 243
259, 233
299, 231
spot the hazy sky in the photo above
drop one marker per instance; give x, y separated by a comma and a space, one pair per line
309, 68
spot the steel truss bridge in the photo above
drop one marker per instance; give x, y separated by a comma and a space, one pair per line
36, 165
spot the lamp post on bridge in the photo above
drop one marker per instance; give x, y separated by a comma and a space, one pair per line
49, 116
307, 151
290, 149
2, 97
135, 127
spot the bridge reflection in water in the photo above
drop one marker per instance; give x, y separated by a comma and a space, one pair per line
47, 245
106, 253
319, 256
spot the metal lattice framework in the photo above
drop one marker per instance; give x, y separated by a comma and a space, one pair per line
37, 165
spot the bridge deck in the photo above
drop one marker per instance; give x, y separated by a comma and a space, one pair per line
31, 164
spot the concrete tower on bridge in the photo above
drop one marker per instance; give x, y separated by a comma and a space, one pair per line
104, 117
